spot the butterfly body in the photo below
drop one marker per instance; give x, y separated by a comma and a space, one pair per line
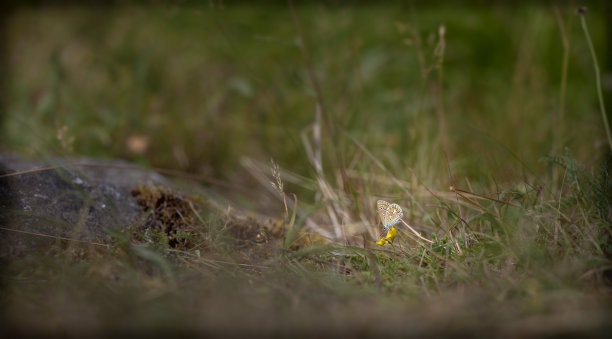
390, 214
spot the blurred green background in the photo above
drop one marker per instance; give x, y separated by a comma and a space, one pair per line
196, 86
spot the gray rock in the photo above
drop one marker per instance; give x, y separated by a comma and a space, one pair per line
83, 201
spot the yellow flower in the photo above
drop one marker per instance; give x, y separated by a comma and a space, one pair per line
389, 239
382, 241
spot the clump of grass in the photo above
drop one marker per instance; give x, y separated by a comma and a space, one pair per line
517, 242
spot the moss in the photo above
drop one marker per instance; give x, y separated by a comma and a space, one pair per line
170, 217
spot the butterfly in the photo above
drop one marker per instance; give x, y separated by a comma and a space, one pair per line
390, 214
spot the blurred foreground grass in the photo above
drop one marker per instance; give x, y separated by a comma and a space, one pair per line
414, 108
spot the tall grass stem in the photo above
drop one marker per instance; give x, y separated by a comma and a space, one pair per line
597, 79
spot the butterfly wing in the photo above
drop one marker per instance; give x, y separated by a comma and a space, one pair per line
381, 207
393, 215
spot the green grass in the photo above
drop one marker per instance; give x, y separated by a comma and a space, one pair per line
521, 246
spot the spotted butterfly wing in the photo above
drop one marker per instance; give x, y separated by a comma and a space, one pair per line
393, 216
381, 207
390, 214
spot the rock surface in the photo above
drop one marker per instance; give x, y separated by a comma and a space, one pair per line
81, 199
